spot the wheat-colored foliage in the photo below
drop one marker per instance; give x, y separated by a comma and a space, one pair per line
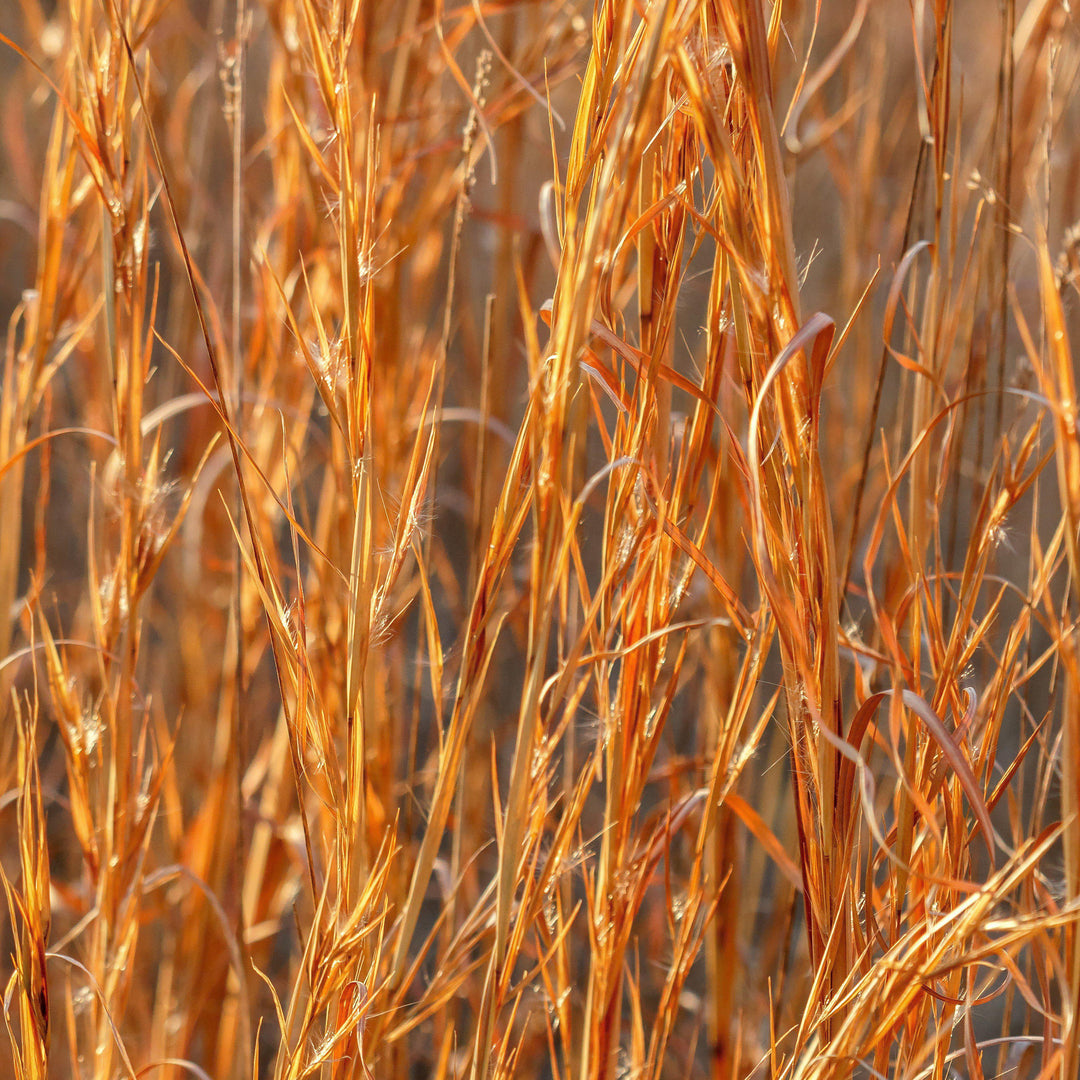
540, 539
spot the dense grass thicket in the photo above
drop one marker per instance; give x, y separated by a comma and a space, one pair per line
540, 539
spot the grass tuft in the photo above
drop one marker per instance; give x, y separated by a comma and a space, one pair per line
540, 539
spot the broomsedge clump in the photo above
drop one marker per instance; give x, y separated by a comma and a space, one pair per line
540, 539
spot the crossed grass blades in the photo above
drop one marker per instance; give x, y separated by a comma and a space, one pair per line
539, 539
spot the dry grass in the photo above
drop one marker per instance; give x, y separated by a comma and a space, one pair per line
540, 539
